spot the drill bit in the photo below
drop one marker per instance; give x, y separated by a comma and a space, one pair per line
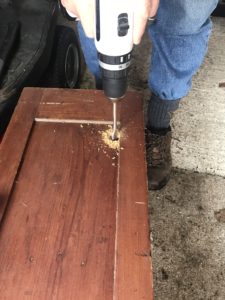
114, 133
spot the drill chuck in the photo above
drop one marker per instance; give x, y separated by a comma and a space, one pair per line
114, 89
114, 70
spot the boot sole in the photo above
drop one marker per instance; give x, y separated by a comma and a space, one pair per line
159, 186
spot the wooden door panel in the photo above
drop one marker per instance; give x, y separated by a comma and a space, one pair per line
61, 228
73, 209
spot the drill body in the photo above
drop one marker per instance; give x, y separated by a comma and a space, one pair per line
114, 43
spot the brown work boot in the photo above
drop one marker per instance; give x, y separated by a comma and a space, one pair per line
158, 157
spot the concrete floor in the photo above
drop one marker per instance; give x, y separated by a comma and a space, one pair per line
188, 237
187, 217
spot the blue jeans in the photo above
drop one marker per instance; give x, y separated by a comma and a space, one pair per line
179, 43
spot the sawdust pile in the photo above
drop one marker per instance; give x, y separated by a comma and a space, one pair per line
107, 138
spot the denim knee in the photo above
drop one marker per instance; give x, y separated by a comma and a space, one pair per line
179, 38
182, 17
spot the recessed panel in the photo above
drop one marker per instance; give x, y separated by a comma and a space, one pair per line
57, 237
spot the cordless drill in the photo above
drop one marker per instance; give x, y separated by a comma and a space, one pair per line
114, 43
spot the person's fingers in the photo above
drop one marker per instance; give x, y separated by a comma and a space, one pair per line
139, 27
154, 5
143, 9
141, 13
87, 17
84, 11
70, 7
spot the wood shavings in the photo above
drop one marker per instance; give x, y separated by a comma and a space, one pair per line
107, 138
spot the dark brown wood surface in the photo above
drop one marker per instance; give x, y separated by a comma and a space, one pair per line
73, 211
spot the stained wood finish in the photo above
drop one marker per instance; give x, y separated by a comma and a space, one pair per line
76, 222
14, 143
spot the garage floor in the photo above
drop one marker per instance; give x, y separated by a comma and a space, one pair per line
188, 216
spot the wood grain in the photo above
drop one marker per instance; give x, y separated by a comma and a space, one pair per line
133, 267
60, 225
76, 223
14, 142
79, 105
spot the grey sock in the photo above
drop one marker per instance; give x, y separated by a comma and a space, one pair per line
159, 112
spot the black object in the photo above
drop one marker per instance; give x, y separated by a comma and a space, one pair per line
64, 70
220, 9
123, 24
114, 70
114, 60
65, 14
159, 112
7, 44
30, 49
114, 83
98, 21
